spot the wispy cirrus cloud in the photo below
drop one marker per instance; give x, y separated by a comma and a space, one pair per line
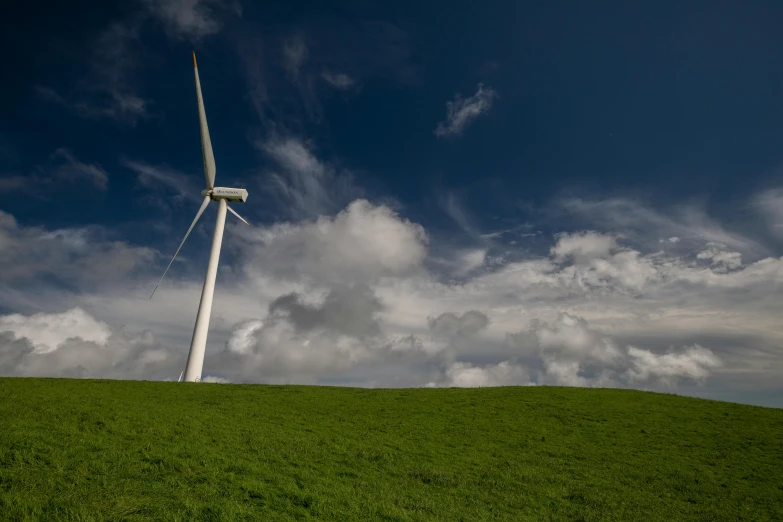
770, 204
72, 169
63, 169
318, 57
453, 206
184, 186
460, 112
304, 185
300, 73
192, 19
295, 54
339, 81
683, 226
113, 67
108, 88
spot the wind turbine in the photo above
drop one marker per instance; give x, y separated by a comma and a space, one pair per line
222, 195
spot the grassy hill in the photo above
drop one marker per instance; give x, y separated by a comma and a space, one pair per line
122, 450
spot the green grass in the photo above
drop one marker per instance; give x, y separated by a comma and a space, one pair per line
122, 450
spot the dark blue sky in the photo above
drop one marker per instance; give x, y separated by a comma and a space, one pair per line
665, 100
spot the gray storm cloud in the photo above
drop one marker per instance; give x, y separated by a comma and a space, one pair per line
452, 325
347, 309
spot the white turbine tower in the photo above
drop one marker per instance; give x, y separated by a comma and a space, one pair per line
222, 195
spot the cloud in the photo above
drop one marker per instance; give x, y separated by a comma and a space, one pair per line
469, 260
465, 375
349, 299
110, 86
361, 244
292, 155
74, 170
570, 337
295, 62
75, 256
17, 183
338, 80
719, 258
586, 260
75, 344
460, 112
686, 225
107, 90
622, 271
303, 343
300, 340
770, 204
452, 205
151, 176
294, 55
250, 49
452, 325
573, 354
191, 19
303, 185
347, 309
274, 349
358, 49
64, 169
48, 331
654, 300
364, 49
695, 362
216, 380
583, 246
319, 57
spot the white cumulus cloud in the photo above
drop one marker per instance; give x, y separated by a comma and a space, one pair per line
695, 362
362, 243
48, 331
720, 259
583, 246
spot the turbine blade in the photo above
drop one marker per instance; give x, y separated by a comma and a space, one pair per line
180, 376
237, 215
198, 215
206, 144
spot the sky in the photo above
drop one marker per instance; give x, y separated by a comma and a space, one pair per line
440, 194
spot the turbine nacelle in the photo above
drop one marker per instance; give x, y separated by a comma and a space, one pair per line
229, 194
